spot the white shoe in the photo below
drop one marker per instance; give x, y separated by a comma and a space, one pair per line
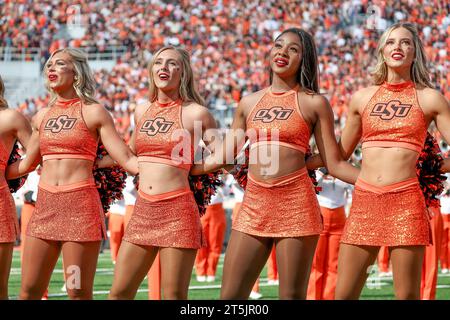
444, 271
210, 278
273, 282
201, 278
255, 295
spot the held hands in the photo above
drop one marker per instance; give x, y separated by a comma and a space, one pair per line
446, 165
313, 162
105, 162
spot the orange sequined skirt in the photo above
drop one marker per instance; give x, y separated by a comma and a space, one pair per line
9, 226
68, 213
393, 215
288, 207
169, 220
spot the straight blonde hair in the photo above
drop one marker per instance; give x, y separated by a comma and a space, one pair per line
84, 84
187, 90
420, 74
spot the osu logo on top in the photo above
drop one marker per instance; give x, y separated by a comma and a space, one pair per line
393, 108
268, 115
152, 127
63, 122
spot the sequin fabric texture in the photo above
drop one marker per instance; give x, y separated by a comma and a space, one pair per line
4, 156
70, 215
396, 214
160, 134
288, 208
63, 131
278, 112
388, 217
9, 226
394, 115
173, 223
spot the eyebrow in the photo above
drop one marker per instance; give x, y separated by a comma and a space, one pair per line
57, 60
290, 43
400, 39
170, 59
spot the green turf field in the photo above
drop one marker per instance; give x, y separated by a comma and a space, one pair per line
376, 288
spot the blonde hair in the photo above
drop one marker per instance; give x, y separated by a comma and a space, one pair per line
84, 84
419, 73
187, 90
3, 103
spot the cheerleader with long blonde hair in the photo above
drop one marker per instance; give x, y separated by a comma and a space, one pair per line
166, 219
69, 215
391, 119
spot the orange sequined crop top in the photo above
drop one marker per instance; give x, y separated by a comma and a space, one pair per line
161, 138
4, 156
280, 112
63, 134
393, 118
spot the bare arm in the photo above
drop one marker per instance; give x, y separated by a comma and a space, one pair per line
351, 133
314, 162
327, 145
353, 127
441, 116
28, 136
107, 161
114, 144
22, 129
446, 165
211, 136
224, 152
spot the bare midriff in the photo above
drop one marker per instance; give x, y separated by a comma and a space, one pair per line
385, 166
157, 178
269, 166
59, 172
